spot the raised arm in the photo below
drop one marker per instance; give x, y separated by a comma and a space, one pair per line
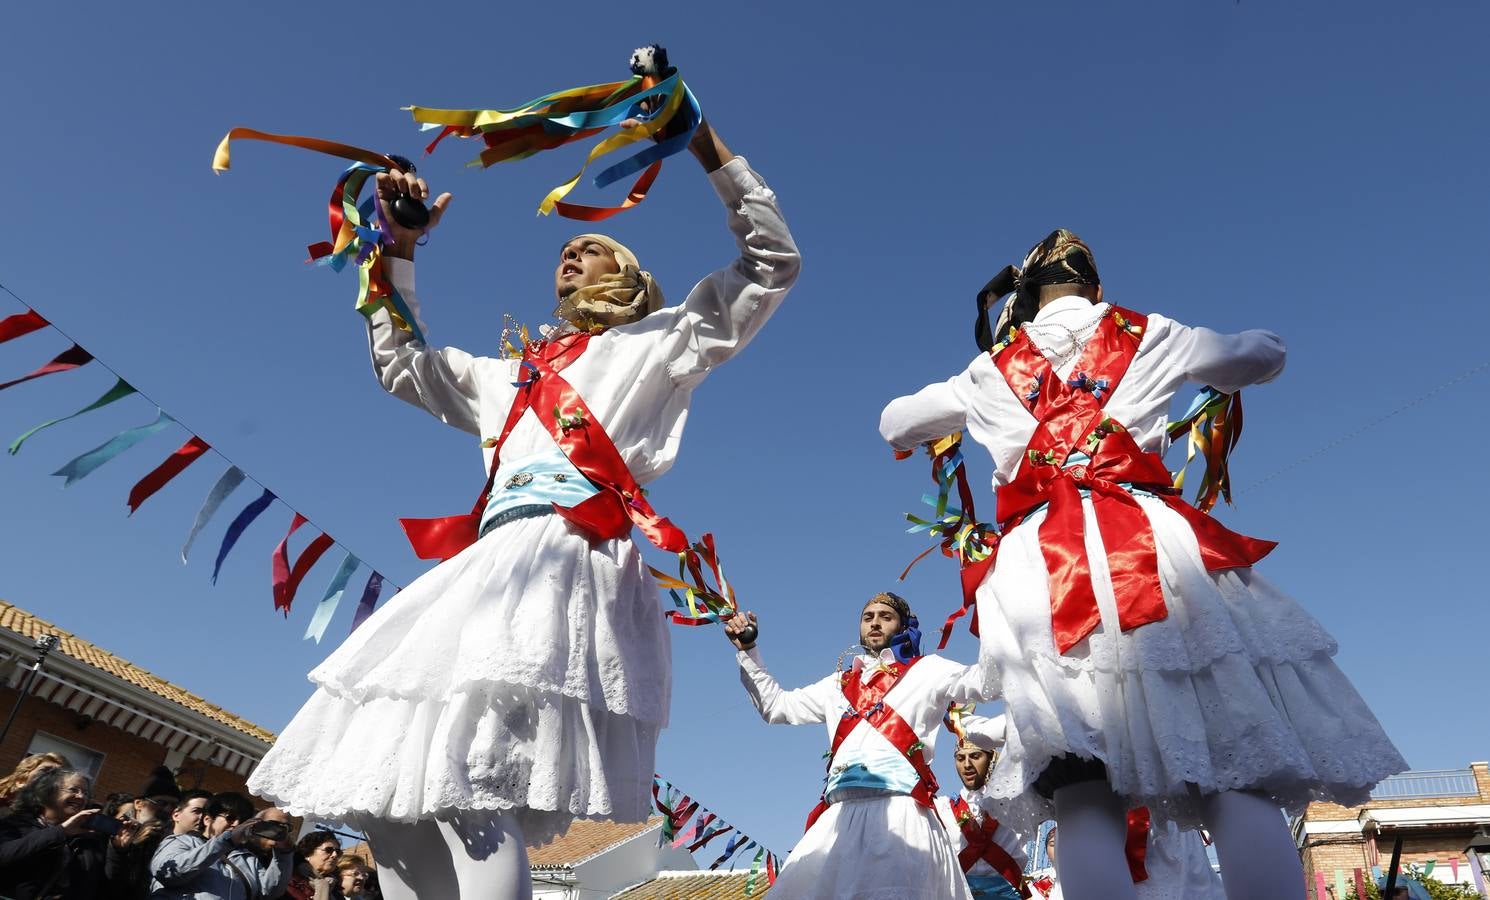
968, 684
1227, 362
177, 862
725, 310
930, 413
803, 706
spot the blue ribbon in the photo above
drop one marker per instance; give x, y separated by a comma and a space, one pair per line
369, 599
334, 590
80, 467
235, 530
220, 491
906, 644
667, 148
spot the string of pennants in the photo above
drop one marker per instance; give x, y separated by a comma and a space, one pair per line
688, 825
286, 575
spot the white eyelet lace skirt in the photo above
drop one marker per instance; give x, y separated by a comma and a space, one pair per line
531, 673
1235, 690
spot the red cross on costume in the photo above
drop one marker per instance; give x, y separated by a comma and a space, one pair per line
978, 831
867, 707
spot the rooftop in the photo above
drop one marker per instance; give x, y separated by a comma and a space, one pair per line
696, 886
31, 627
1424, 783
586, 839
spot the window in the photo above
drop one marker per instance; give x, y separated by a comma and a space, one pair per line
83, 759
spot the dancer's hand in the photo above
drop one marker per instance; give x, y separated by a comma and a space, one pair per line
736, 624
390, 185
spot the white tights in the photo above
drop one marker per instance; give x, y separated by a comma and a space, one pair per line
1257, 855
470, 855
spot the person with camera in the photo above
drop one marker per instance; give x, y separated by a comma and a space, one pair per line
52, 843
241, 856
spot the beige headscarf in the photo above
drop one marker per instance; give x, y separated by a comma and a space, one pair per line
616, 299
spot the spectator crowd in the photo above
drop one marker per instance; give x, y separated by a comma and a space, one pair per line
58, 843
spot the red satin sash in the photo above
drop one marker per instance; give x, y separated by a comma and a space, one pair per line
1071, 419
579, 434
978, 831
1137, 847
866, 701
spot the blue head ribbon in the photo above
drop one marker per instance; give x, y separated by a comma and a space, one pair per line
906, 644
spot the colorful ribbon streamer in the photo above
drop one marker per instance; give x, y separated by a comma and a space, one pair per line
369, 600
286, 577
225, 485
661, 105
12, 327
331, 599
68, 359
699, 603
236, 528
175, 464
81, 467
119, 391
1214, 421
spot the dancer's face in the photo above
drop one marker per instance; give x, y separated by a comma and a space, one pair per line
583, 262
972, 766
877, 624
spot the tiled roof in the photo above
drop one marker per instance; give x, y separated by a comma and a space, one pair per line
586, 838
21, 622
696, 886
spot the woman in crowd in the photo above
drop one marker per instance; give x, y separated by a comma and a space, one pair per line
27, 769
352, 878
315, 867
47, 849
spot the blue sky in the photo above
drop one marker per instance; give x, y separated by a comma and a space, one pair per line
1316, 169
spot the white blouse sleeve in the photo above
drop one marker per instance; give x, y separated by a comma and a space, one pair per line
725, 310
932, 412
443, 381
803, 706
1226, 362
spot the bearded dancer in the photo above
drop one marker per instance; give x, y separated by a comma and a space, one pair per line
875, 835
1143, 662
524, 681
990, 853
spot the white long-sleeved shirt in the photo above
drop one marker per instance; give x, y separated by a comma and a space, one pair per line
636, 378
981, 401
866, 760
992, 729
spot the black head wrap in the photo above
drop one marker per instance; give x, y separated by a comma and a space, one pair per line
1061, 258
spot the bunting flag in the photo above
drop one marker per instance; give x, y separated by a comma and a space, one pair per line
755, 871
1360, 884
81, 467
67, 360
655, 98
287, 578
175, 464
225, 485
1340, 883
369, 600
331, 599
237, 527
12, 327
119, 391
731, 847
1320, 891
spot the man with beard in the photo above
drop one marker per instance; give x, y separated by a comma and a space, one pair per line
875, 833
990, 853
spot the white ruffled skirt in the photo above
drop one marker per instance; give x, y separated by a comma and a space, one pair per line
531, 673
1235, 690
876, 848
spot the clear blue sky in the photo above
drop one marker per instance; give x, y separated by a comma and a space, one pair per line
1317, 169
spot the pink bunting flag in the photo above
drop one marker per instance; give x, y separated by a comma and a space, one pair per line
70, 358
21, 323
287, 578
175, 464
1360, 884
1320, 891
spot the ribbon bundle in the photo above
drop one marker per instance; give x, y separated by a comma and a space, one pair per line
655, 97
961, 535
699, 603
286, 575
687, 824
1214, 421
357, 227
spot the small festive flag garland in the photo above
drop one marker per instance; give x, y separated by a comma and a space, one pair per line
285, 578
687, 823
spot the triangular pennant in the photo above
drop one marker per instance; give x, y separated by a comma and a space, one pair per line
237, 527
225, 485
175, 464
68, 359
331, 599
81, 467
119, 391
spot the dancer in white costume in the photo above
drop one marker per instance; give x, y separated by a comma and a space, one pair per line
875, 835
524, 681
1143, 662
1176, 862
990, 853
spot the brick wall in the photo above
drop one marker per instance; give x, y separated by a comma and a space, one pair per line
127, 758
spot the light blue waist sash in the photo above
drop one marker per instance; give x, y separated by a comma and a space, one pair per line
530, 486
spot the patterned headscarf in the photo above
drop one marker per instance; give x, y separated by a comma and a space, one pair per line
1061, 258
616, 299
905, 643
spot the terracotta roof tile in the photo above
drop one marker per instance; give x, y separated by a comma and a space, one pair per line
584, 839
696, 886
21, 622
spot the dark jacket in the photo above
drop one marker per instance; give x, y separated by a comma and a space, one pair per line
40, 861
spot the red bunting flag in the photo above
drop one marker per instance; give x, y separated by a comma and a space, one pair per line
70, 358
174, 465
21, 323
287, 578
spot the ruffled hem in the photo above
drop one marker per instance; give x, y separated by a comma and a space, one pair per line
500, 747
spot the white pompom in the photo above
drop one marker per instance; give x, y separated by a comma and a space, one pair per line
648, 60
